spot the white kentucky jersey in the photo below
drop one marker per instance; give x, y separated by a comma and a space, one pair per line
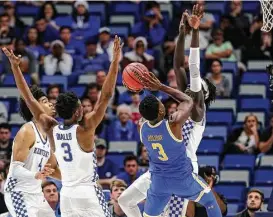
37, 157
192, 134
78, 168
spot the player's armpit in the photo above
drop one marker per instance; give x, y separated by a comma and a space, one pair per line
23, 141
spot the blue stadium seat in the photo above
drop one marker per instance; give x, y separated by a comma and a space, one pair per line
64, 20
257, 104
216, 131
118, 157
79, 90
220, 117
230, 67
266, 190
236, 193
14, 130
125, 8
107, 195
211, 146
252, 7
119, 30
263, 177
55, 79
210, 160
7, 104
214, 6
98, 8
232, 208
255, 78
9, 80
28, 9
239, 162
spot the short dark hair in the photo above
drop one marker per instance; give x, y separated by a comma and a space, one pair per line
216, 60
52, 86
65, 27
149, 108
91, 86
5, 126
23, 109
47, 183
130, 158
66, 105
4, 15
256, 190
212, 92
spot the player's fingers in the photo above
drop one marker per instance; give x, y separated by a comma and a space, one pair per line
48, 165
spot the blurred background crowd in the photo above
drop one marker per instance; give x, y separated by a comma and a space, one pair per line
67, 45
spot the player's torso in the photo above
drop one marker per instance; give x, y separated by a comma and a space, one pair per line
167, 154
78, 168
192, 133
38, 156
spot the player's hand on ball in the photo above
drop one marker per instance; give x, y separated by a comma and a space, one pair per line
14, 60
150, 82
117, 48
46, 171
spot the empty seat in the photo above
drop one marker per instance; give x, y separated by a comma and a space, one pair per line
55, 79
9, 92
121, 146
230, 67
122, 19
209, 161
232, 193
232, 208
255, 78
253, 89
224, 104
263, 177
258, 104
16, 119
235, 176
14, 130
211, 146
28, 9
252, 7
267, 161
260, 115
216, 131
64, 8
9, 80
97, 8
258, 64
27, 20
167, 8
79, 91
225, 117
216, 7
125, 8
239, 161
121, 31
86, 79
64, 21
118, 157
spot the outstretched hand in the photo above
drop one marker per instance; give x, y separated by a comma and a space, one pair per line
14, 60
197, 14
117, 48
184, 17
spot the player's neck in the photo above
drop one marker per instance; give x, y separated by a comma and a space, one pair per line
68, 123
154, 122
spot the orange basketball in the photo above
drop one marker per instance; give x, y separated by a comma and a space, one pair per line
130, 76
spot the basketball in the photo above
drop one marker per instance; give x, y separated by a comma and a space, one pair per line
130, 76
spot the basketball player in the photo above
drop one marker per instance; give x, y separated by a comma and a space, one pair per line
191, 131
30, 153
170, 168
74, 144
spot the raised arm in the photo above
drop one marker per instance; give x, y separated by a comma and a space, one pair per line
93, 119
38, 113
179, 57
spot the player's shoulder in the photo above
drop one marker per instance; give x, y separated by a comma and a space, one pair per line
27, 129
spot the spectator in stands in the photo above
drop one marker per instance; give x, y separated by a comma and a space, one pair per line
220, 81
14, 21
3, 176
220, 49
49, 13
53, 91
80, 15
139, 54
105, 44
266, 139
72, 47
5, 142
116, 189
51, 195
244, 139
254, 203
92, 92
86, 105
143, 158
171, 107
93, 60
58, 62
209, 174
7, 33
134, 107
123, 128
129, 43
238, 19
46, 33
34, 44
131, 170
106, 168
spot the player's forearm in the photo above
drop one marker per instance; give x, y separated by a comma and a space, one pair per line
19, 172
25, 92
56, 174
175, 94
195, 38
108, 86
220, 202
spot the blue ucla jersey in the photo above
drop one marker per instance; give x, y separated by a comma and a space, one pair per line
167, 154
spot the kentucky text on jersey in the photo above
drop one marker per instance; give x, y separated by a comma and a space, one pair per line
41, 152
65, 136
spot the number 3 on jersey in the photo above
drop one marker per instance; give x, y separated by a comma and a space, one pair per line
67, 150
161, 152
